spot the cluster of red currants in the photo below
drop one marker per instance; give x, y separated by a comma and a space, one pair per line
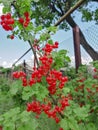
18, 75
95, 70
95, 76
21, 75
55, 82
49, 48
7, 22
46, 63
25, 21
48, 109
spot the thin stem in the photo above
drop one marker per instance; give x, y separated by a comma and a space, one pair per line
55, 103
34, 52
15, 126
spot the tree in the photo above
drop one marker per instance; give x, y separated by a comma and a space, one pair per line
54, 9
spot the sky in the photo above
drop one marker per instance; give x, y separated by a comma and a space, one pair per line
11, 50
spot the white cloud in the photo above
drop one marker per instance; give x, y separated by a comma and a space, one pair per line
84, 60
6, 64
32, 57
30, 62
1, 7
15, 60
18, 63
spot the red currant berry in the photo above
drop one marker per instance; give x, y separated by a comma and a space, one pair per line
61, 129
26, 14
21, 20
25, 24
2, 17
8, 15
12, 36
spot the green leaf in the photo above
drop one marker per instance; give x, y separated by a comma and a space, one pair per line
50, 41
42, 93
52, 29
1, 119
9, 118
15, 87
13, 90
12, 113
25, 116
6, 9
44, 36
64, 124
66, 90
96, 15
62, 52
27, 93
30, 125
81, 112
67, 59
87, 15
60, 59
72, 123
9, 126
91, 126
38, 28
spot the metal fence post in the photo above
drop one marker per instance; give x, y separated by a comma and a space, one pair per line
24, 66
76, 39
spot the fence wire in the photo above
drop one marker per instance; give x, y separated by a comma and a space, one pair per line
91, 35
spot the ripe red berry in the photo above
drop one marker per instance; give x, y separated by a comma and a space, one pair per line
12, 36
21, 20
25, 24
2, 17
15, 75
10, 28
26, 14
57, 120
27, 20
8, 15
61, 129
95, 70
1, 128
11, 21
64, 79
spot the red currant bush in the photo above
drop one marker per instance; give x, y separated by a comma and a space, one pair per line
53, 80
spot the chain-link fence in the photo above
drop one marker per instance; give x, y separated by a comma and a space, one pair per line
91, 35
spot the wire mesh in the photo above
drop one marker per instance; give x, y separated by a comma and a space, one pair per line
91, 34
